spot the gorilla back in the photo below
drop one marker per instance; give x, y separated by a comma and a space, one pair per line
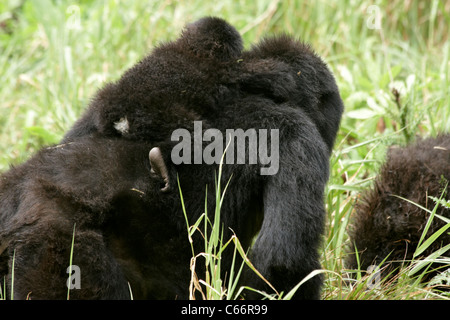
279, 84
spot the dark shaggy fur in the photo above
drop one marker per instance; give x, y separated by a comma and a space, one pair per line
387, 226
105, 189
141, 237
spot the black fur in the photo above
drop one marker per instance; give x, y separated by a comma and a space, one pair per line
204, 75
385, 226
94, 185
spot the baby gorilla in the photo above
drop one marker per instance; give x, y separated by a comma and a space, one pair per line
385, 226
138, 234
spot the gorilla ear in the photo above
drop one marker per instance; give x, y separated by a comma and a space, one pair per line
159, 167
212, 37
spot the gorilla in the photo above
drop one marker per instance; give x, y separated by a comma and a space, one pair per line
93, 185
387, 229
123, 210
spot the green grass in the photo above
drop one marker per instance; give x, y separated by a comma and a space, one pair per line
395, 82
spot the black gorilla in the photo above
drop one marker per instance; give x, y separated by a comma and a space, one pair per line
130, 227
387, 227
94, 185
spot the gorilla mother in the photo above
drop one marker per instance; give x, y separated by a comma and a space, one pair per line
129, 226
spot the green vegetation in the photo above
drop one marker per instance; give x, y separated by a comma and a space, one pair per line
390, 59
